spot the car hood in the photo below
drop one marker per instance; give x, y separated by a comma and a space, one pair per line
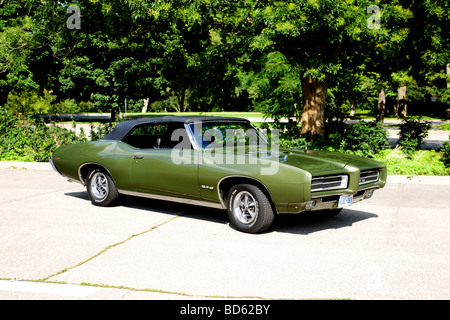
321, 162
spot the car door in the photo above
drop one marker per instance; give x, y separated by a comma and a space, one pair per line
162, 165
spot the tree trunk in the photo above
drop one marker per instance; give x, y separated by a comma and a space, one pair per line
401, 109
314, 100
352, 108
447, 114
448, 74
3, 98
114, 111
180, 99
145, 108
381, 106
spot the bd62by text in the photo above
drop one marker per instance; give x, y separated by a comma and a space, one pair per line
246, 309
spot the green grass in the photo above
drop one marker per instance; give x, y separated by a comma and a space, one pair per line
422, 162
445, 126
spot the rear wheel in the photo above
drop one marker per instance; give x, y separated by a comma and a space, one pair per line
101, 188
249, 209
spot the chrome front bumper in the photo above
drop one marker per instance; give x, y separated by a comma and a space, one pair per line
331, 202
325, 202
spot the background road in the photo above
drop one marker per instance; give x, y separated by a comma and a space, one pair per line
393, 246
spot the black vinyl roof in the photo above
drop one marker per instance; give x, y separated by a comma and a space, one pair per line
124, 127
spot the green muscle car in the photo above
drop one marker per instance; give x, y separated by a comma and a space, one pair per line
218, 162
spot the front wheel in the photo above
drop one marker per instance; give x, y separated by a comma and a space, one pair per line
101, 189
249, 209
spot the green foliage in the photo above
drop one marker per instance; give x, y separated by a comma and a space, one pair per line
204, 55
367, 138
364, 138
445, 126
423, 162
412, 134
101, 130
446, 153
275, 89
296, 143
30, 102
25, 102
67, 106
21, 102
28, 138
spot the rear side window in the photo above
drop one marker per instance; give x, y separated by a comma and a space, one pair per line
148, 130
156, 136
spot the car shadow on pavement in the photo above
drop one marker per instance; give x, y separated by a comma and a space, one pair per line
80, 195
167, 207
175, 208
303, 223
310, 222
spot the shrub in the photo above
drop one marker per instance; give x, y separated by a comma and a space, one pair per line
7, 120
364, 138
68, 106
446, 153
445, 126
28, 138
295, 143
412, 134
101, 130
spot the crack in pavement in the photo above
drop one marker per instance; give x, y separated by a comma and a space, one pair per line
47, 279
107, 248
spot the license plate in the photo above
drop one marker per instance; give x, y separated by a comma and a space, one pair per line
345, 201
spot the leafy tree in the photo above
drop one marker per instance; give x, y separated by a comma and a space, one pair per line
429, 47
16, 46
274, 87
316, 37
286, 58
413, 54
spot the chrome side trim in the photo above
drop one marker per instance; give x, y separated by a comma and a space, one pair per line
172, 199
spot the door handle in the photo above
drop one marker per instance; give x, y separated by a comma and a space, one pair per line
138, 157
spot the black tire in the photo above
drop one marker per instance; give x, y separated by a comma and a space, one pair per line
249, 209
101, 189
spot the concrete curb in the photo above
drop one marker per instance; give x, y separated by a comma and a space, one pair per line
18, 165
419, 179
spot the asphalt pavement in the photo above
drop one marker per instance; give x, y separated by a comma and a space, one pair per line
55, 245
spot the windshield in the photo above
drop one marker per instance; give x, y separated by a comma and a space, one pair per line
216, 134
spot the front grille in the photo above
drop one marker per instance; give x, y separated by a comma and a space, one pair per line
329, 183
368, 177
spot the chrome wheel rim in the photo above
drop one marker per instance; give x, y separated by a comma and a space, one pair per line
99, 186
245, 207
